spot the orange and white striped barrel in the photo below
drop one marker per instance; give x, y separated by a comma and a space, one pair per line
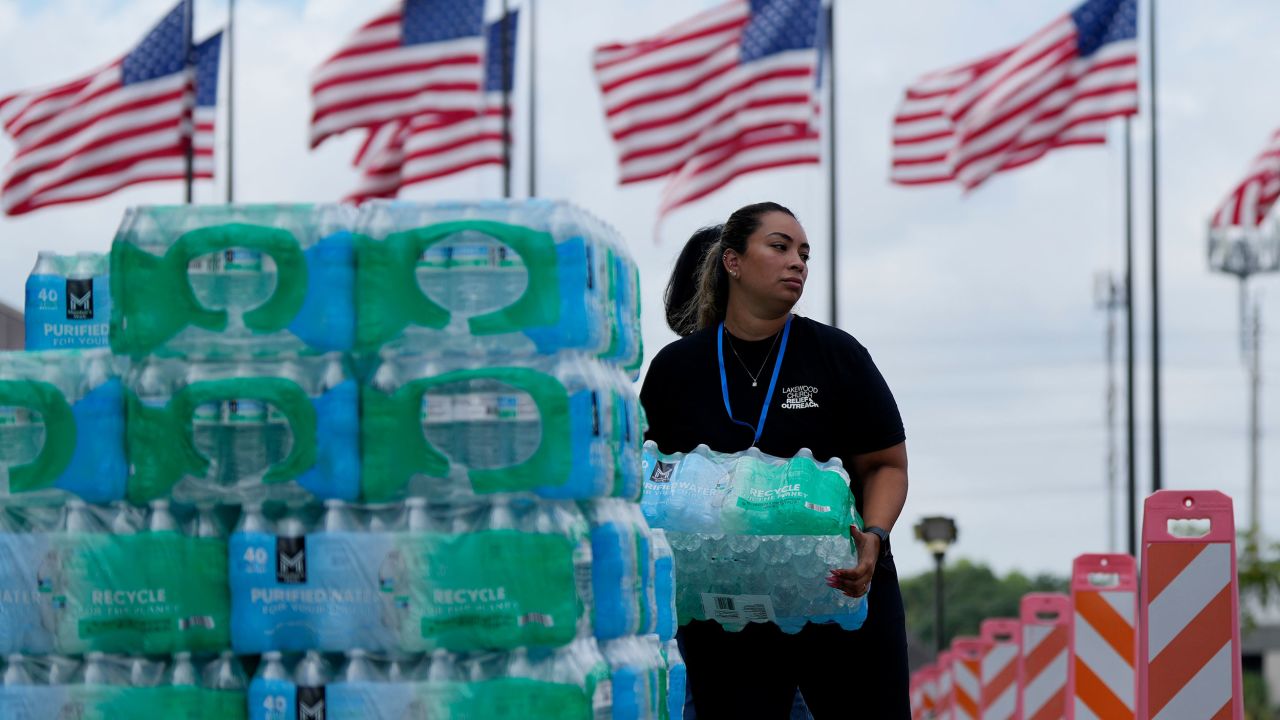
1189, 631
929, 691
946, 690
966, 677
922, 691
1045, 656
1103, 681
1000, 668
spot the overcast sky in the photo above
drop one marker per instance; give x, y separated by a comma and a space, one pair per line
978, 309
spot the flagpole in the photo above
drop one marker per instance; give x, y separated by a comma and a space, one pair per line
188, 23
532, 142
503, 29
831, 160
231, 100
1130, 420
1156, 480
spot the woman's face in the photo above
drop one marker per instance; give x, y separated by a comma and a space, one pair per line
775, 266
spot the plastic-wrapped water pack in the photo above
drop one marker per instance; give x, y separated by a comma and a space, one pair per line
754, 536
411, 577
510, 277
450, 428
68, 303
114, 578
61, 425
568, 683
243, 431
623, 571
639, 673
123, 687
233, 279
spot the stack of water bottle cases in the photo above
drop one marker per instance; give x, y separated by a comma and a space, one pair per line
336, 463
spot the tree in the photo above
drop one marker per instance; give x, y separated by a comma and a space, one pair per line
973, 594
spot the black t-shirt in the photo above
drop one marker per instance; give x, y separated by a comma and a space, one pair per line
830, 398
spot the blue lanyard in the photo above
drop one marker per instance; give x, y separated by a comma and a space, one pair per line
773, 382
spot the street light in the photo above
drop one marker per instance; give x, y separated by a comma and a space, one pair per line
937, 533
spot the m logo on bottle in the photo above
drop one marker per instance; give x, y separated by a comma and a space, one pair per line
311, 703
291, 560
80, 299
662, 472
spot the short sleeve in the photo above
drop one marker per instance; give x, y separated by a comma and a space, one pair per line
876, 423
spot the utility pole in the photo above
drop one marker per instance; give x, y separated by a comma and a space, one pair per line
1245, 252
1110, 296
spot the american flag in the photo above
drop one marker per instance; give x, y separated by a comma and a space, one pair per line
207, 55
420, 57
433, 145
123, 124
1007, 109
727, 92
1249, 202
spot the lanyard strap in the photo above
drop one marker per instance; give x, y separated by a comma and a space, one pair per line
773, 381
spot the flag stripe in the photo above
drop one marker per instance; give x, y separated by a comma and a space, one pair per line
130, 121
1007, 109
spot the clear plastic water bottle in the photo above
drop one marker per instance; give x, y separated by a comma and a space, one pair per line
272, 691
160, 518
664, 584
338, 517
182, 672
207, 523
99, 670
125, 519
79, 517
144, 672
15, 671
310, 677
358, 668
224, 673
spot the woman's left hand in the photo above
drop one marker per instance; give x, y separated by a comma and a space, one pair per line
855, 581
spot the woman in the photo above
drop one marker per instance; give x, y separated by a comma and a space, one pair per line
749, 372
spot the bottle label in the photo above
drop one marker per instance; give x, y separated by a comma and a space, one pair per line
338, 591
154, 592
478, 407
109, 702
734, 609
362, 700
25, 604
490, 589
272, 700
67, 313
506, 699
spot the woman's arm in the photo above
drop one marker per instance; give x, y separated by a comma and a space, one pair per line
884, 492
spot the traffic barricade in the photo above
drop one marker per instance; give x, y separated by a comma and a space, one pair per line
1103, 676
1000, 668
1043, 662
1189, 628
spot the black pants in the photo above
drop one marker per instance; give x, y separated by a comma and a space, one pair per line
842, 674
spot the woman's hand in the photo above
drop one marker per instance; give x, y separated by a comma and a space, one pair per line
855, 581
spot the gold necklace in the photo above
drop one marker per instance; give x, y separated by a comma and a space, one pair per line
756, 377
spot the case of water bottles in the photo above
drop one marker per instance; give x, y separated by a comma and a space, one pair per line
570, 682
245, 430
234, 279
754, 535
68, 302
419, 422
107, 687
506, 277
118, 578
61, 425
563, 427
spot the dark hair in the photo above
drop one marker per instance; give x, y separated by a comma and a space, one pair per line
683, 284
698, 291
